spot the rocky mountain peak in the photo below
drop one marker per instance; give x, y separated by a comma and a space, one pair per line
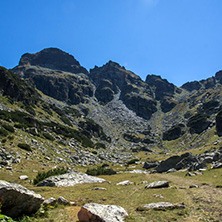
160, 86
53, 58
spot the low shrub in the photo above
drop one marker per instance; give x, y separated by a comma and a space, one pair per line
8, 128
3, 132
133, 161
100, 146
100, 171
48, 136
4, 140
43, 175
11, 137
24, 146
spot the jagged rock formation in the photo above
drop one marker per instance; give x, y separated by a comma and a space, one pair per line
53, 58
135, 94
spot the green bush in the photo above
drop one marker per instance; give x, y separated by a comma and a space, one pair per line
65, 120
133, 161
4, 140
43, 175
10, 137
24, 146
8, 128
5, 218
100, 171
48, 136
100, 146
3, 132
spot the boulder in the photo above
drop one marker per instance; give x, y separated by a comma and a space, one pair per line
70, 179
17, 200
157, 184
160, 206
177, 162
93, 212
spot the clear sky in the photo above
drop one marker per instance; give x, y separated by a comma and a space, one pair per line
181, 40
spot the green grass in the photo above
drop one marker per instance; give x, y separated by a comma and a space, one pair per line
203, 202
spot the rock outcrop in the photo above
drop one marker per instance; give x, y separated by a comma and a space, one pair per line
70, 179
16, 200
93, 212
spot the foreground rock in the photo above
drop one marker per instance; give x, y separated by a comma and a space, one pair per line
93, 212
161, 206
16, 200
70, 179
157, 184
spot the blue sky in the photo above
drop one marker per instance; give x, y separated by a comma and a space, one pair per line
177, 39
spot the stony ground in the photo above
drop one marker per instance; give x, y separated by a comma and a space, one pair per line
201, 194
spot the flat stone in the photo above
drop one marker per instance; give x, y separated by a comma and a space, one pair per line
124, 183
99, 188
23, 177
157, 184
160, 206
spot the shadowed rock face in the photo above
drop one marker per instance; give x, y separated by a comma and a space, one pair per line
53, 58
56, 74
12, 86
16, 200
111, 79
190, 86
161, 86
219, 123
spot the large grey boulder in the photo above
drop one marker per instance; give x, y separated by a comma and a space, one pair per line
160, 206
157, 184
17, 200
186, 160
93, 212
70, 179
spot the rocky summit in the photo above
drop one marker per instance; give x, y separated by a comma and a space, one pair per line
65, 129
